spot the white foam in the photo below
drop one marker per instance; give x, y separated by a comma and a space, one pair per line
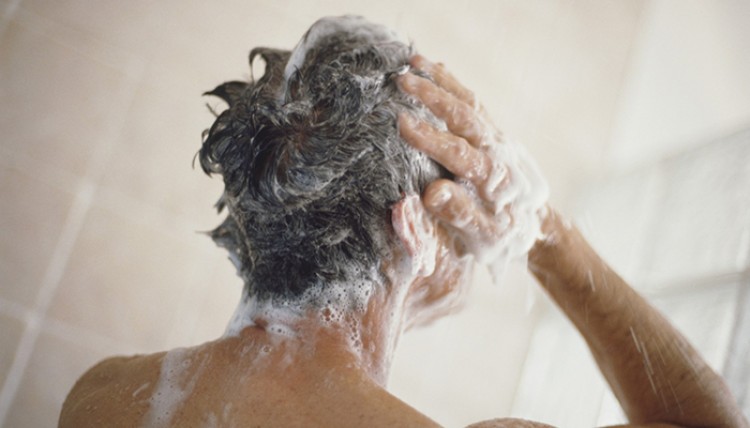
515, 194
355, 25
416, 228
335, 304
172, 388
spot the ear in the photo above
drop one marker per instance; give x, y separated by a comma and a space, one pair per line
415, 229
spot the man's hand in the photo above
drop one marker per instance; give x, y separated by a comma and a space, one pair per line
497, 201
496, 205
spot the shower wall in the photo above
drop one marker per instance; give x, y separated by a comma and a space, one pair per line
101, 114
671, 212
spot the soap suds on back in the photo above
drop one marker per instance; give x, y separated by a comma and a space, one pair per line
518, 194
175, 384
331, 302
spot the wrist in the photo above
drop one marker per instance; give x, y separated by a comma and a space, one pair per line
562, 255
548, 250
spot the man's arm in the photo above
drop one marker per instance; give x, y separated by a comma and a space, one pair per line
658, 377
655, 373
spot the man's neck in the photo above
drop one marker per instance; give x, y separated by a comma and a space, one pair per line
360, 340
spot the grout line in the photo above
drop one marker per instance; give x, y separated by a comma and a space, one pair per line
63, 250
14, 310
49, 175
8, 13
735, 369
84, 337
667, 288
39, 22
515, 402
632, 58
178, 226
73, 225
133, 73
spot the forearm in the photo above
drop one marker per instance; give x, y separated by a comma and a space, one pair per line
652, 369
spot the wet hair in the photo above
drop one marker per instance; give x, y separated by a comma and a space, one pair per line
312, 161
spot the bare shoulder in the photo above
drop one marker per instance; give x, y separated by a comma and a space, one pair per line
122, 383
509, 423
523, 423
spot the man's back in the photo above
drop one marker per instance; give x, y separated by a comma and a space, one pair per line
238, 381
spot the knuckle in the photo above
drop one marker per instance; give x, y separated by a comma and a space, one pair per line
458, 150
462, 116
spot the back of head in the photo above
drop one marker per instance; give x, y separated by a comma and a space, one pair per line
312, 160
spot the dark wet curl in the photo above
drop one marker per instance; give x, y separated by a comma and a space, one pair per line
312, 163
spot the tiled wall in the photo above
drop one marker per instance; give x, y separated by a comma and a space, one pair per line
100, 206
100, 117
677, 230
672, 211
686, 83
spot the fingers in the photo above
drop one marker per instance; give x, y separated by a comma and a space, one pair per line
459, 116
444, 79
453, 205
454, 153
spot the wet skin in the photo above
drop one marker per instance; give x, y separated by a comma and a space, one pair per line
675, 387
328, 383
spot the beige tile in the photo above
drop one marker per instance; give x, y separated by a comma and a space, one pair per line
610, 412
706, 316
565, 390
136, 279
127, 277
205, 314
194, 44
217, 46
31, 219
700, 225
466, 367
615, 214
386, 12
152, 158
12, 329
152, 29
737, 367
687, 80
549, 73
54, 367
57, 105
132, 25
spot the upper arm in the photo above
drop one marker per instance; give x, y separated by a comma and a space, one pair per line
509, 423
655, 425
82, 396
103, 395
523, 423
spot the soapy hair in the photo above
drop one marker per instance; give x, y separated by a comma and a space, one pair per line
312, 160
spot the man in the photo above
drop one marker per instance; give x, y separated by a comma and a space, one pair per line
361, 183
